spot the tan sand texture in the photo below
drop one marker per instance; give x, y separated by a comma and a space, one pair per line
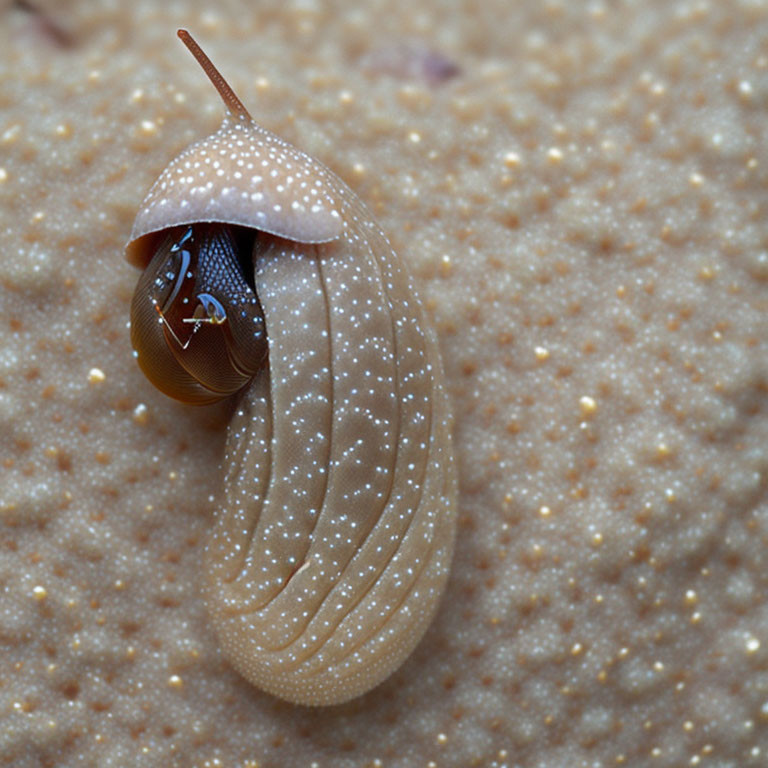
580, 192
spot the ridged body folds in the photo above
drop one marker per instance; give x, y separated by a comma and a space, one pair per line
328, 557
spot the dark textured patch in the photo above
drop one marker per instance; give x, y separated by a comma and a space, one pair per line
411, 61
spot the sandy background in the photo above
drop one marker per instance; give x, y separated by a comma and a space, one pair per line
581, 189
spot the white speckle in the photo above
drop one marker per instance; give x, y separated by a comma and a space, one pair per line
96, 376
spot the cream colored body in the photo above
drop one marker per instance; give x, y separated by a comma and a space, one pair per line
329, 557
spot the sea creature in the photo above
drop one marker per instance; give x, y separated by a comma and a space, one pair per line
265, 275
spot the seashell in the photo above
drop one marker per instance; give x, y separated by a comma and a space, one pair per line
332, 548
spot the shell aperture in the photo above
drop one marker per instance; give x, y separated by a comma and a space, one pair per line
196, 323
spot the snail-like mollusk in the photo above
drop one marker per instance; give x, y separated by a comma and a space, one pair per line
263, 272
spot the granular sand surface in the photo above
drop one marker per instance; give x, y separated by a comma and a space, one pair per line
581, 190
